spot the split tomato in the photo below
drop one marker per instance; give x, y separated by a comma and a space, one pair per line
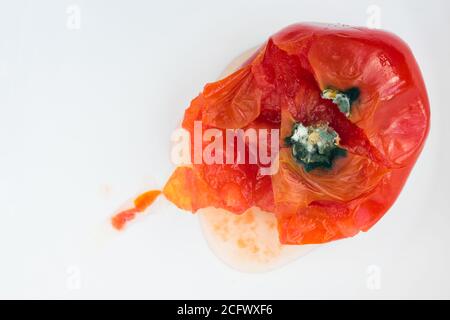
353, 115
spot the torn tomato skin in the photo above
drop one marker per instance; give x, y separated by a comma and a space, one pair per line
281, 84
142, 202
291, 70
411, 93
119, 220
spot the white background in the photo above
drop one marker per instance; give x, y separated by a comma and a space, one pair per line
85, 121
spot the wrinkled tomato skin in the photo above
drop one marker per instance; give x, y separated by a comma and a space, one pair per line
392, 110
281, 84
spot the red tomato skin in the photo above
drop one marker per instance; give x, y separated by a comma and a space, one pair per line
397, 125
281, 83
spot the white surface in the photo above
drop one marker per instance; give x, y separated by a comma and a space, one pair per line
86, 117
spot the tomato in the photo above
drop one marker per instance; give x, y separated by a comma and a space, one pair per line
384, 134
353, 115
